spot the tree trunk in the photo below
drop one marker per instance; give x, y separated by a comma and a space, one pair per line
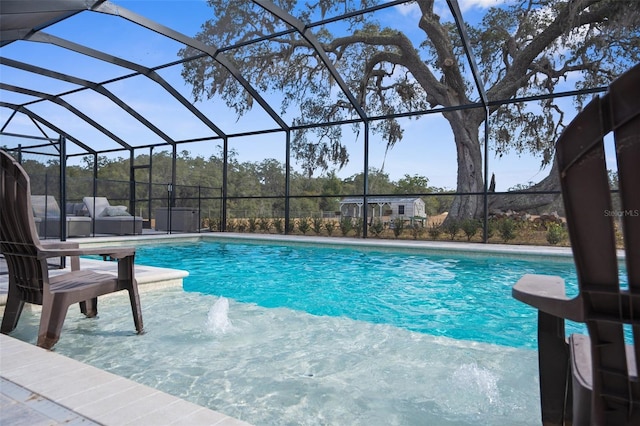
469, 157
470, 179
531, 203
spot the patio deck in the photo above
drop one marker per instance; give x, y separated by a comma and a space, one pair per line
40, 387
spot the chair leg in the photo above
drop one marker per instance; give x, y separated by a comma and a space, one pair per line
553, 359
134, 298
128, 282
54, 311
12, 311
89, 307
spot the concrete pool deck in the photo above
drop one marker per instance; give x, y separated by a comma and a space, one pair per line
40, 387
75, 393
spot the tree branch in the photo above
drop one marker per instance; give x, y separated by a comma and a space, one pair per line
517, 74
403, 53
439, 37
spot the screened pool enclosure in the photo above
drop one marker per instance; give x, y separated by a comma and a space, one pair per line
264, 116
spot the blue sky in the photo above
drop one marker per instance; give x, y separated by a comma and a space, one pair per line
427, 148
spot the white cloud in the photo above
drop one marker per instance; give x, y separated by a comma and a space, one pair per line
481, 4
410, 10
441, 8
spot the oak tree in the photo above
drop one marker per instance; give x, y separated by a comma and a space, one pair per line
522, 48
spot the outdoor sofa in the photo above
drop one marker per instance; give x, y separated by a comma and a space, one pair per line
46, 213
110, 219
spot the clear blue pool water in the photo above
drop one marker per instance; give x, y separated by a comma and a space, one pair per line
325, 336
457, 296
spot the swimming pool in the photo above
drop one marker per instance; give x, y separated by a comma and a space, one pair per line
388, 344
453, 295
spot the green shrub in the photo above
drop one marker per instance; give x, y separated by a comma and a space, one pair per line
435, 229
398, 226
556, 233
416, 230
317, 225
212, 224
329, 225
346, 225
452, 227
470, 227
358, 226
291, 226
264, 224
253, 224
303, 225
507, 229
377, 227
492, 226
278, 224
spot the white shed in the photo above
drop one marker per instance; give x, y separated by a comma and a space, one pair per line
384, 207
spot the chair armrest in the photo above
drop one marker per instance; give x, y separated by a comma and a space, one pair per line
48, 244
56, 245
114, 252
547, 294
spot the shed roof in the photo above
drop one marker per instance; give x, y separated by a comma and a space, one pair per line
380, 200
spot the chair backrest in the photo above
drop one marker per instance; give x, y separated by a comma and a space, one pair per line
45, 206
19, 241
96, 205
610, 307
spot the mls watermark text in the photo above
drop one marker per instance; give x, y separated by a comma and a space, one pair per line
622, 213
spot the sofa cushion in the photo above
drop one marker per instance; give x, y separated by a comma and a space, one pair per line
113, 211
